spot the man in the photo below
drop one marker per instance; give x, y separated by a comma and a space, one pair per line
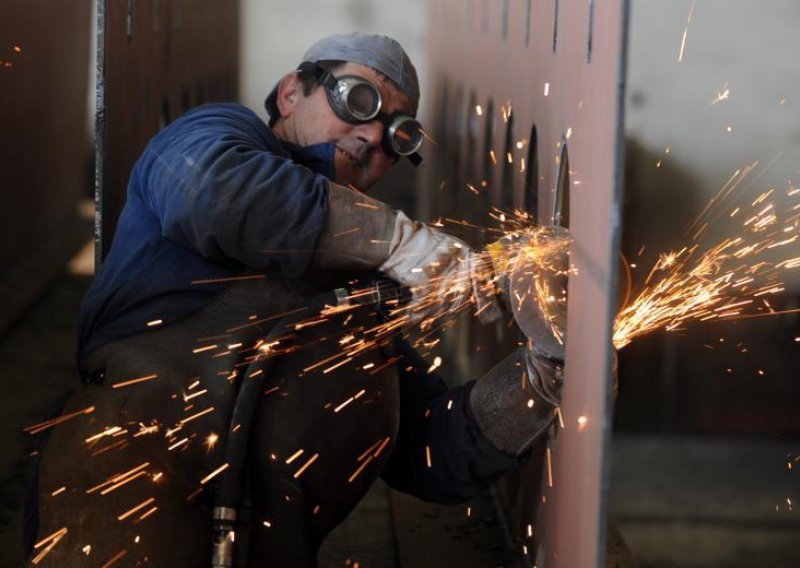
229, 225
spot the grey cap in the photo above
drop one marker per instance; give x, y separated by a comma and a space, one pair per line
379, 52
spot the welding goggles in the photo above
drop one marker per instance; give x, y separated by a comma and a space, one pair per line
356, 100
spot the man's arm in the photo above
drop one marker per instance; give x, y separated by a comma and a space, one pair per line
220, 185
439, 422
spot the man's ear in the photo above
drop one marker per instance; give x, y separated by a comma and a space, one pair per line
290, 90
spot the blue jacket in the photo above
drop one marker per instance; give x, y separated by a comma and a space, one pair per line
212, 193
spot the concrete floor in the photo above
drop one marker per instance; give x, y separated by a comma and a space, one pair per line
702, 502
679, 502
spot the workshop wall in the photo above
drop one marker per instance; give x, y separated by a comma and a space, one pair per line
44, 148
162, 57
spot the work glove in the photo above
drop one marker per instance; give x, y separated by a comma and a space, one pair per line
444, 274
515, 402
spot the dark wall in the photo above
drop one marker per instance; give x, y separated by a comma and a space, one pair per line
161, 58
44, 148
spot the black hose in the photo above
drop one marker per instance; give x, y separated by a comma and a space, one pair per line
383, 294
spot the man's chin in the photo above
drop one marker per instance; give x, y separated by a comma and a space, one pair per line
348, 179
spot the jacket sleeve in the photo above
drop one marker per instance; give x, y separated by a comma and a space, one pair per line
440, 454
215, 186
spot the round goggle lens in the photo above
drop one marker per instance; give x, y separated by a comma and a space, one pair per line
363, 101
406, 136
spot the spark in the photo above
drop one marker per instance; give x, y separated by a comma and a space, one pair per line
179, 443
138, 507
53, 540
546, 88
196, 415
722, 95
685, 33
123, 384
107, 432
155, 322
382, 446
119, 484
214, 473
211, 441
36, 428
305, 466
345, 403
188, 397
58, 491
229, 279
294, 456
114, 479
56, 535
113, 560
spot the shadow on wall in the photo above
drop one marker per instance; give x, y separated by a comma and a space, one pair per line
733, 377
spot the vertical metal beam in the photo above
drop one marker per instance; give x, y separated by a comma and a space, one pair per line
560, 66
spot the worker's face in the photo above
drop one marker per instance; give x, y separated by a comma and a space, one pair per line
360, 159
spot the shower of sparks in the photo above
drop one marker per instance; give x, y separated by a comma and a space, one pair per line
729, 280
733, 278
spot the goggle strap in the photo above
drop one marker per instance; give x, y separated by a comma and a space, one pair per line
415, 159
322, 75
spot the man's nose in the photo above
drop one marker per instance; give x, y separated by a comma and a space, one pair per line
370, 132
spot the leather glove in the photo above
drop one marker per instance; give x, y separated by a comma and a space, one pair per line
509, 405
443, 272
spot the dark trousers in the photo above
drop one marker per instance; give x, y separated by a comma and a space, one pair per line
137, 461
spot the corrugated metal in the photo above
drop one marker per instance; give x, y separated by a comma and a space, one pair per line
559, 66
156, 59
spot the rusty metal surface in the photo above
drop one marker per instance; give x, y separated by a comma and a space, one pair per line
559, 67
156, 60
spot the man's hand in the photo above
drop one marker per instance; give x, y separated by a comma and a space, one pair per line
442, 271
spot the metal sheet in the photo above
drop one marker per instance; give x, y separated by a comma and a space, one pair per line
156, 59
560, 67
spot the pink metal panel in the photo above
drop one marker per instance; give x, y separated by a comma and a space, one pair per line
559, 64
